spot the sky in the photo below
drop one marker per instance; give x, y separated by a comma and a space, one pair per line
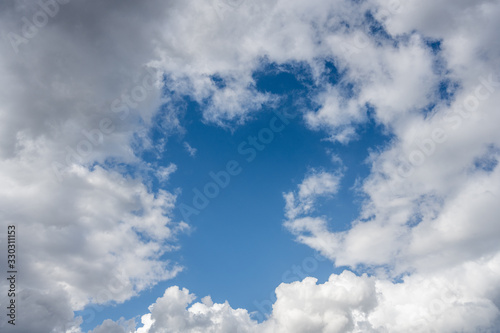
250, 166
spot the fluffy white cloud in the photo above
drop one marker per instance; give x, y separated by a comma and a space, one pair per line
335, 306
315, 185
428, 180
75, 89
338, 305
96, 237
432, 193
462, 299
109, 326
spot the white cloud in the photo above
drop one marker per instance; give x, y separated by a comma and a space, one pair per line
335, 306
169, 314
428, 203
74, 95
109, 326
163, 173
446, 193
316, 184
95, 237
463, 298
191, 151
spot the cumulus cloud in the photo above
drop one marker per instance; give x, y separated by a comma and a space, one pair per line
87, 234
424, 178
335, 306
169, 314
109, 326
432, 193
316, 184
75, 96
464, 298
431, 204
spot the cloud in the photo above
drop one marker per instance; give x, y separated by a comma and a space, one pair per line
335, 306
42, 311
94, 75
91, 225
163, 173
75, 95
316, 184
98, 236
169, 314
109, 326
463, 298
76, 76
191, 151
300, 306
429, 201
424, 185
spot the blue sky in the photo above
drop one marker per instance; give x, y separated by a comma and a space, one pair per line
238, 249
250, 166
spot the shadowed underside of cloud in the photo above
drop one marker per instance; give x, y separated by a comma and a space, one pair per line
97, 71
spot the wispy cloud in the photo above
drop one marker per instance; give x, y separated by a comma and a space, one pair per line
192, 151
315, 185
